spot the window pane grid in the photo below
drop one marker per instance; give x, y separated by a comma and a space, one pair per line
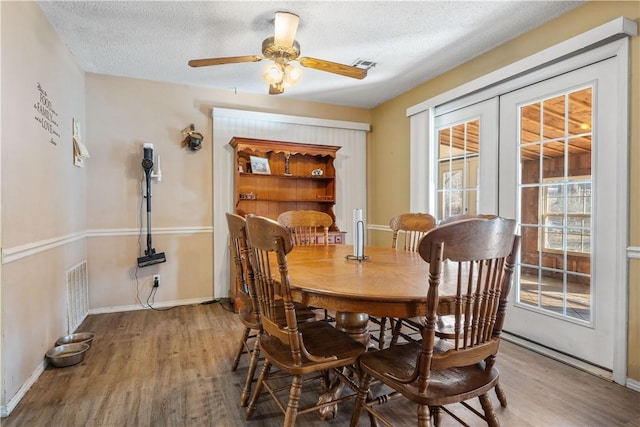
566, 214
458, 155
554, 185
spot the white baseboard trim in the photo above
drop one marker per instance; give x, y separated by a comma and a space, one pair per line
159, 305
5, 410
633, 385
561, 357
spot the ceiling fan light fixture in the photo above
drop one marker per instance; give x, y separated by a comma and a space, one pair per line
282, 49
292, 75
286, 25
273, 73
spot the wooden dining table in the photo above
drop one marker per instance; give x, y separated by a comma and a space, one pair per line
388, 283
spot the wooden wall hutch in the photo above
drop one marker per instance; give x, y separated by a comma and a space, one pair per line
299, 177
284, 176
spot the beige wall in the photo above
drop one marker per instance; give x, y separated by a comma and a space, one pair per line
389, 148
123, 113
44, 197
43, 194
93, 213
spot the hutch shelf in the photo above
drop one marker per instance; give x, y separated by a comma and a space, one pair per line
284, 176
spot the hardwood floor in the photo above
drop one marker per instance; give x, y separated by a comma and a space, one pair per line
172, 368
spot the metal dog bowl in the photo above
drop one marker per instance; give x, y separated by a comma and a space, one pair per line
67, 355
80, 337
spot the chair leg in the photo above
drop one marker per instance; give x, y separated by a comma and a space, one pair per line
294, 398
363, 392
424, 419
373, 421
396, 332
325, 381
264, 375
490, 416
253, 364
436, 413
502, 397
383, 324
241, 349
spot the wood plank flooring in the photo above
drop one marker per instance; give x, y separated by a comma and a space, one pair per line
172, 368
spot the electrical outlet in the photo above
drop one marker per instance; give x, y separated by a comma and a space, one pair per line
156, 280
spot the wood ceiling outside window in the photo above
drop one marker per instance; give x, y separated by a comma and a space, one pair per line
578, 123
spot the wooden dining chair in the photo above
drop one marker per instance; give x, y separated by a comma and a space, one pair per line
248, 313
296, 349
408, 229
445, 324
433, 373
307, 227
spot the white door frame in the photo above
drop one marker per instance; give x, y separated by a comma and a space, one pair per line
578, 51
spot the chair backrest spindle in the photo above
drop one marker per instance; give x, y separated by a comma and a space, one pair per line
306, 227
413, 226
481, 254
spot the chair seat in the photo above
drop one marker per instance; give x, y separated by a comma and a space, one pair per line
248, 317
322, 340
445, 326
445, 387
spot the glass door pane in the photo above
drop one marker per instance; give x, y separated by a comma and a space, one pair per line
458, 169
555, 204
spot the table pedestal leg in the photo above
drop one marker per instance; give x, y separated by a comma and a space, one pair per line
356, 325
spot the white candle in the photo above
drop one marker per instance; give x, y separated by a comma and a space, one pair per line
358, 229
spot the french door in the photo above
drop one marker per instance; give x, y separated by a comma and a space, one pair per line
558, 175
551, 164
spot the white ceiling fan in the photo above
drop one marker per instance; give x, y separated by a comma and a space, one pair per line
283, 49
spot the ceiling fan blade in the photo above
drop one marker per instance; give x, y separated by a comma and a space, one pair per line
276, 89
286, 25
227, 60
334, 67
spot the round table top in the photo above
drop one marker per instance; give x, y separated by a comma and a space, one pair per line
389, 282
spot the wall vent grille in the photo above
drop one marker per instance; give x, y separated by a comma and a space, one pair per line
77, 295
364, 64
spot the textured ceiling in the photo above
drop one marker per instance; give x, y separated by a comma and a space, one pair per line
410, 41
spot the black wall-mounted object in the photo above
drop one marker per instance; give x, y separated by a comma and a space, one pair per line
150, 256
